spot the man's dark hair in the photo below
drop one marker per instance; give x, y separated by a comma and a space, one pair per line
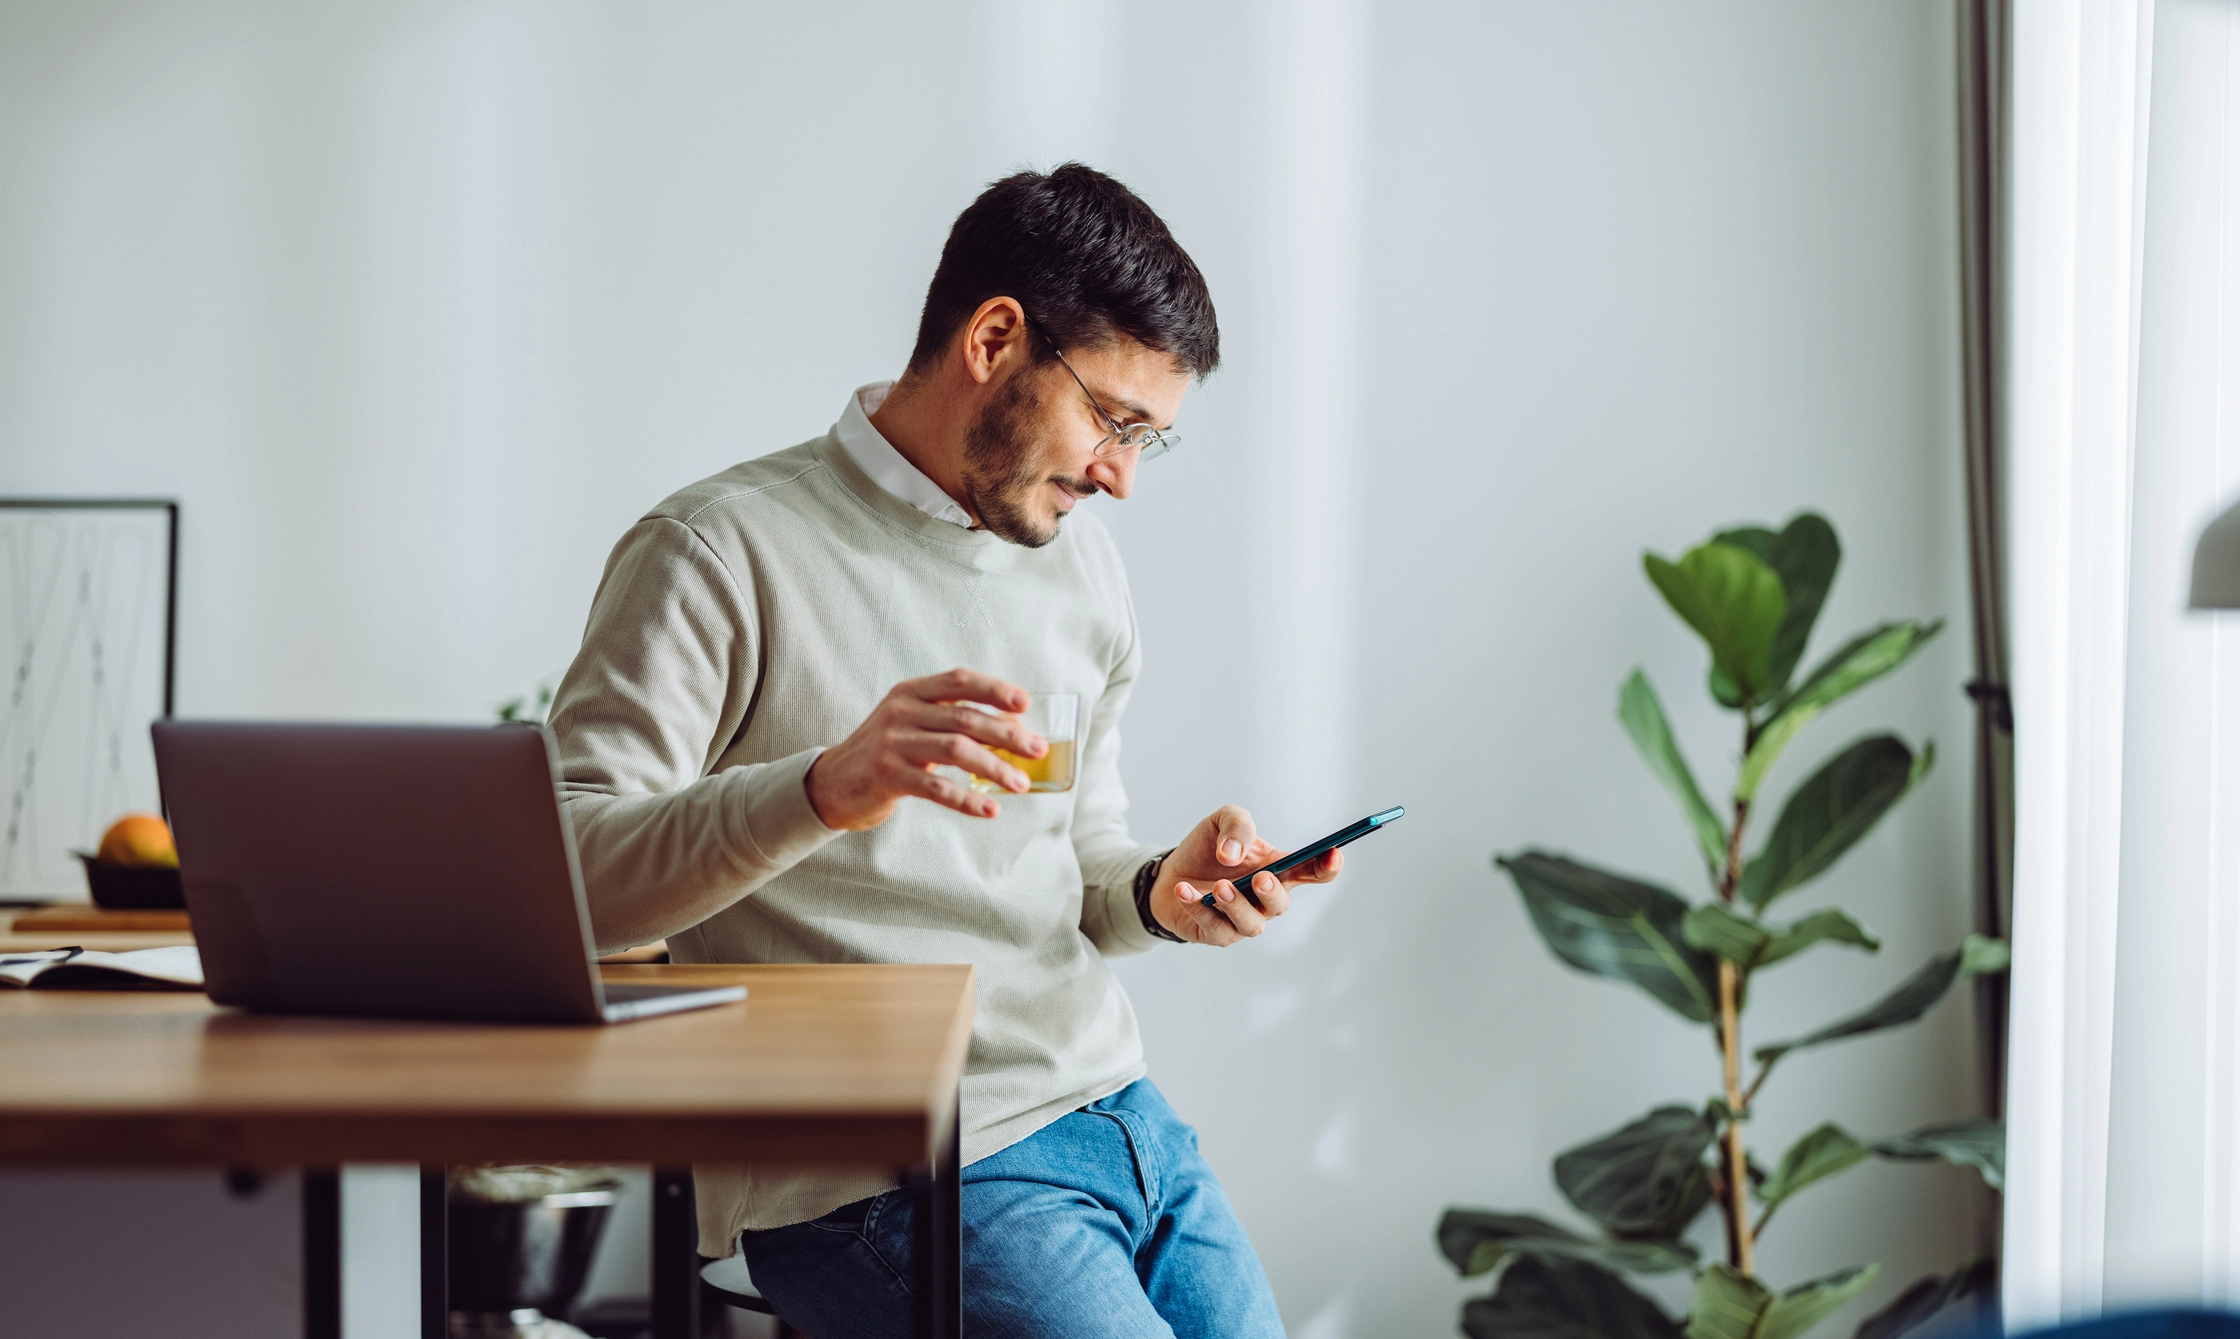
1085, 257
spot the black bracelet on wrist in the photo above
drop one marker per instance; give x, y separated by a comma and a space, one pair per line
1146, 878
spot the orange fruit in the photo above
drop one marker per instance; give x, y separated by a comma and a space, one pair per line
138, 839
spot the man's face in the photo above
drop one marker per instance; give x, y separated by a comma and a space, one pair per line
1030, 453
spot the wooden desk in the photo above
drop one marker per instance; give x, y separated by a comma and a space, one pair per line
24, 930
852, 1066
88, 926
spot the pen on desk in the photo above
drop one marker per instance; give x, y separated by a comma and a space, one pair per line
43, 955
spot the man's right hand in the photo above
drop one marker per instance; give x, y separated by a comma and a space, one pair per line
919, 726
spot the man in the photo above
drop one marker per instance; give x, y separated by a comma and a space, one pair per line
762, 764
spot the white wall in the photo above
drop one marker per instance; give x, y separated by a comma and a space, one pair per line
175, 1253
417, 305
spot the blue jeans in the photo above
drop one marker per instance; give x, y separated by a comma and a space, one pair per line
1104, 1224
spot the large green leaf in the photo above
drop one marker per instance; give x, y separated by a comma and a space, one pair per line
1863, 659
1857, 663
1819, 1155
1981, 1144
1804, 555
1570, 1301
1732, 1305
1719, 929
1975, 956
1830, 812
1477, 1241
1728, 1305
1807, 1304
1645, 1180
1921, 1303
1645, 722
1617, 927
1733, 601
1829, 1149
1723, 690
1826, 925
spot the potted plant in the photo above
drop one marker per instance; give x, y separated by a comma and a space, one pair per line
1752, 595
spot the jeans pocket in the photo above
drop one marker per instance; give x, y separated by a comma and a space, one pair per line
848, 1219
888, 1228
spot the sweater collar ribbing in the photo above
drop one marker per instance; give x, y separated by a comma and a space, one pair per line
977, 548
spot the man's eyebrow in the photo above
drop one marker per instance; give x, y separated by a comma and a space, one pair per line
1130, 411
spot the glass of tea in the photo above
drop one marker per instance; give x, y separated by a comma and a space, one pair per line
1057, 718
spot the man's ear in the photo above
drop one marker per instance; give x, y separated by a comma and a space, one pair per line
995, 339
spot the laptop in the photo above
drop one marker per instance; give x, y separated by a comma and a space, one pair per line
389, 871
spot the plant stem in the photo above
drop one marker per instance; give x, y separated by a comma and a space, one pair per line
1730, 879
1741, 1251
1750, 1094
1741, 1243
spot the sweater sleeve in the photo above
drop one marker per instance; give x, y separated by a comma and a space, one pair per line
1109, 856
661, 686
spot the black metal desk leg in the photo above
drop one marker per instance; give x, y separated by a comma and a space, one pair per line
939, 1200
676, 1255
322, 1253
435, 1255
948, 1227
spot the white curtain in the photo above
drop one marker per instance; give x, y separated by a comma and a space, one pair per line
2123, 1184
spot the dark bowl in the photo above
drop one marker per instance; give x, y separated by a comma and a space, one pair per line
133, 887
528, 1253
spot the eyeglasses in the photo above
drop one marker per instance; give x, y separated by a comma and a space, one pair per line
1151, 442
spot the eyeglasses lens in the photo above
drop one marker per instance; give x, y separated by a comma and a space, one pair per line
1151, 442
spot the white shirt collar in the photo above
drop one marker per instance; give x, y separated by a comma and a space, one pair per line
889, 468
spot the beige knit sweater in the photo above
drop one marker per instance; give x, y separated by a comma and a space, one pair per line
759, 615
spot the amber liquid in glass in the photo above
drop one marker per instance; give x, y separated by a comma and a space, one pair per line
1051, 771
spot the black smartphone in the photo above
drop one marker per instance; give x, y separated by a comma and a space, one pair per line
1306, 853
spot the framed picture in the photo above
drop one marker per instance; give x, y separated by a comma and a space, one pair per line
89, 596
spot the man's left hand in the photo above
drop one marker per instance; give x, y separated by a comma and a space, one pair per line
1210, 860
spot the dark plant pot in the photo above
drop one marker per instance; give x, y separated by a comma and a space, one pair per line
526, 1254
133, 887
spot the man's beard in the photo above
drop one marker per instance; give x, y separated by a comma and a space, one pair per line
1000, 475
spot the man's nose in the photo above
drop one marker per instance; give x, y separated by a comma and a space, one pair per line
1116, 473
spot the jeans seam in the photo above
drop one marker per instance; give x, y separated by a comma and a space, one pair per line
1148, 1181
870, 1218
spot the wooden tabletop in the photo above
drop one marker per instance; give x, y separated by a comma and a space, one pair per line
821, 1065
85, 918
83, 925
24, 929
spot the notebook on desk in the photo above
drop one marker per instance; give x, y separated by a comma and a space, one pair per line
391, 871
175, 967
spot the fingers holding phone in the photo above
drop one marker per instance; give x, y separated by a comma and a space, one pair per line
1224, 883
1249, 903
1224, 845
